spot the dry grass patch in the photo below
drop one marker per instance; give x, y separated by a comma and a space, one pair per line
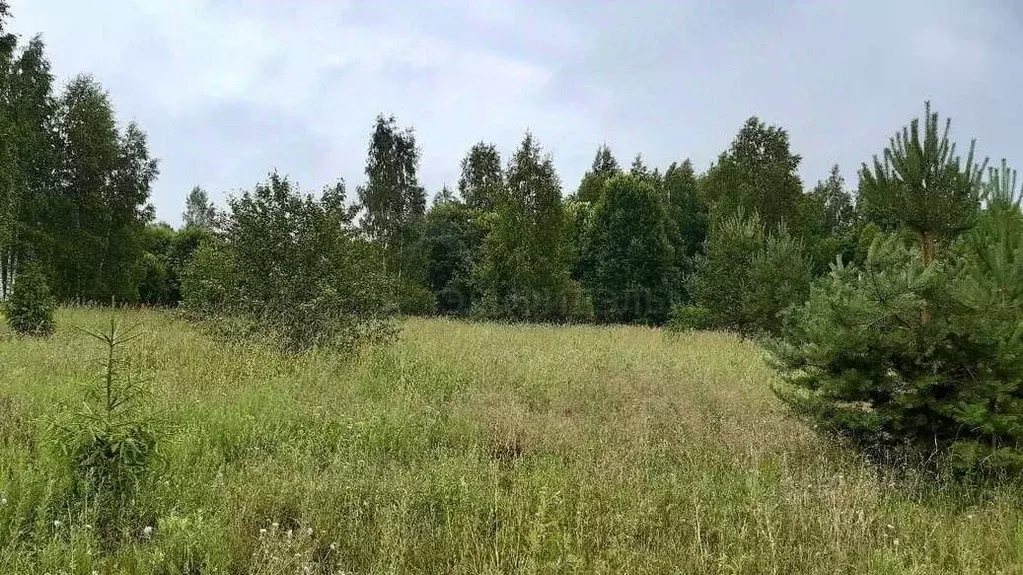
479, 448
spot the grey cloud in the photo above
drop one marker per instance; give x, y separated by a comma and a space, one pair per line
228, 89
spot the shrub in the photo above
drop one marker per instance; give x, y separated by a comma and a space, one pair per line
688, 318
747, 277
292, 270
416, 299
210, 280
922, 346
31, 306
780, 277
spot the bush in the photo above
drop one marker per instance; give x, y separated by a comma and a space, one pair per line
747, 277
292, 270
689, 318
31, 306
780, 278
210, 280
416, 299
578, 304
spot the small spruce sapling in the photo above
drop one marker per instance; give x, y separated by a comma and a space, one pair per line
111, 444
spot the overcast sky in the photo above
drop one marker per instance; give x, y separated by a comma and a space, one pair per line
230, 89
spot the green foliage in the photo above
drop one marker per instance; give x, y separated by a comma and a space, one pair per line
154, 286
73, 187
101, 208
605, 166
642, 172
28, 155
30, 308
630, 272
452, 238
392, 199
157, 281
747, 278
416, 299
578, 220
827, 222
723, 274
687, 217
481, 181
863, 362
292, 268
921, 348
523, 273
199, 211
689, 318
922, 185
780, 278
758, 174
167, 253
110, 446
210, 281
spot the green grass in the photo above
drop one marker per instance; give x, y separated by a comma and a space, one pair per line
474, 448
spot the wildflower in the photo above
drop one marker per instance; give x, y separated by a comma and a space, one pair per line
309, 531
289, 533
262, 532
275, 525
896, 542
57, 523
3, 501
147, 531
333, 546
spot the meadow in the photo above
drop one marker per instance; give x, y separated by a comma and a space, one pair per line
473, 448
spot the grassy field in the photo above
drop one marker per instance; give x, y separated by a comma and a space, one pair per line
475, 448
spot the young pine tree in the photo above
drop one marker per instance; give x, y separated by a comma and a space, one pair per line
863, 362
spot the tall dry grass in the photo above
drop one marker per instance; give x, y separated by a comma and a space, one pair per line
476, 448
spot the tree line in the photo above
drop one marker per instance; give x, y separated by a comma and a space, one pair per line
731, 247
627, 245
